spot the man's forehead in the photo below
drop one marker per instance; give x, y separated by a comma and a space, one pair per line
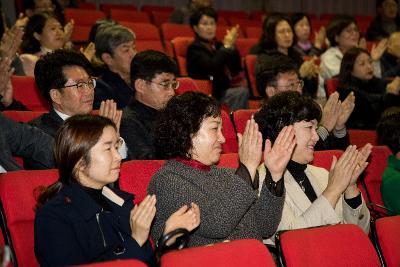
74, 72
287, 76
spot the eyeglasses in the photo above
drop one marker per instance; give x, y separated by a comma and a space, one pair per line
91, 84
168, 84
293, 86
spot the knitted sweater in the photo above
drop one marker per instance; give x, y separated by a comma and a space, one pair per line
229, 207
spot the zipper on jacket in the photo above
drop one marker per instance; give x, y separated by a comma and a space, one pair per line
101, 230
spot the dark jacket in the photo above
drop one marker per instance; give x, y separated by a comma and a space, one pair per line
371, 101
376, 30
390, 65
112, 86
48, 122
216, 64
19, 139
137, 128
72, 228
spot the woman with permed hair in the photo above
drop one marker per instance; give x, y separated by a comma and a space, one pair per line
372, 95
313, 196
81, 219
388, 131
189, 135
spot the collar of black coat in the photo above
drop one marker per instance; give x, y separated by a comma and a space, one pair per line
143, 110
75, 195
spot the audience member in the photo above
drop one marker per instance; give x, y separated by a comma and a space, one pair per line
153, 76
390, 60
69, 87
386, 22
80, 219
313, 196
182, 14
373, 95
22, 140
189, 136
302, 31
9, 46
209, 59
277, 73
43, 34
388, 131
277, 38
115, 46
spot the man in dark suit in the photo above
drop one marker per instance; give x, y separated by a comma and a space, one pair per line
18, 139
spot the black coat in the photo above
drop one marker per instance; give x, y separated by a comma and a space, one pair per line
371, 101
112, 86
72, 228
390, 65
137, 128
213, 64
48, 122
19, 139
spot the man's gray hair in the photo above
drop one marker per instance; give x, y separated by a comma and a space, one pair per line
109, 38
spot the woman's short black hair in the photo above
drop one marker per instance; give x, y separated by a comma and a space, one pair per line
296, 17
267, 39
180, 121
336, 27
347, 65
388, 130
200, 12
284, 109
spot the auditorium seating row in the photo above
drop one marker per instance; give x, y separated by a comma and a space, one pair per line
326, 243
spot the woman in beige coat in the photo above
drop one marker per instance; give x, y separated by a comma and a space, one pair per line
314, 196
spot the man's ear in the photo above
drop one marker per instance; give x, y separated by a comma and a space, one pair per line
270, 91
107, 58
140, 85
55, 96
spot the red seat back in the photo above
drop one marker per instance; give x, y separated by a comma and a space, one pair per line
160, 17
205, 86
227, 14
253, 32
240, 118
86, 17
230, 160
22, 116
331, 85
130, 15
388, 237
186, 84
106, 7
143, 31
135, 176
362, 137
324, 158
245, 252
231, 144
250, 62
372, 176
26, 91
169, 31
244, 45
81, 33
333, 245
180, 46
18, 204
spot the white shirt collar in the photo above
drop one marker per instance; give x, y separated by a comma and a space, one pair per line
62, 115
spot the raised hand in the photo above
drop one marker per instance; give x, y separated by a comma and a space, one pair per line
394, 86
276, 157
109, 110
6, 88
141, 218
89, 51
378, 50
309, 69
345, 111
250, 147
330, 112
362, 43
320, 38
231, 36
68, 29
11, 41
361, 163
340, 174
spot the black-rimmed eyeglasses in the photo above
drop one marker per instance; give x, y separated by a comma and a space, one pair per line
168, 84
91, 84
